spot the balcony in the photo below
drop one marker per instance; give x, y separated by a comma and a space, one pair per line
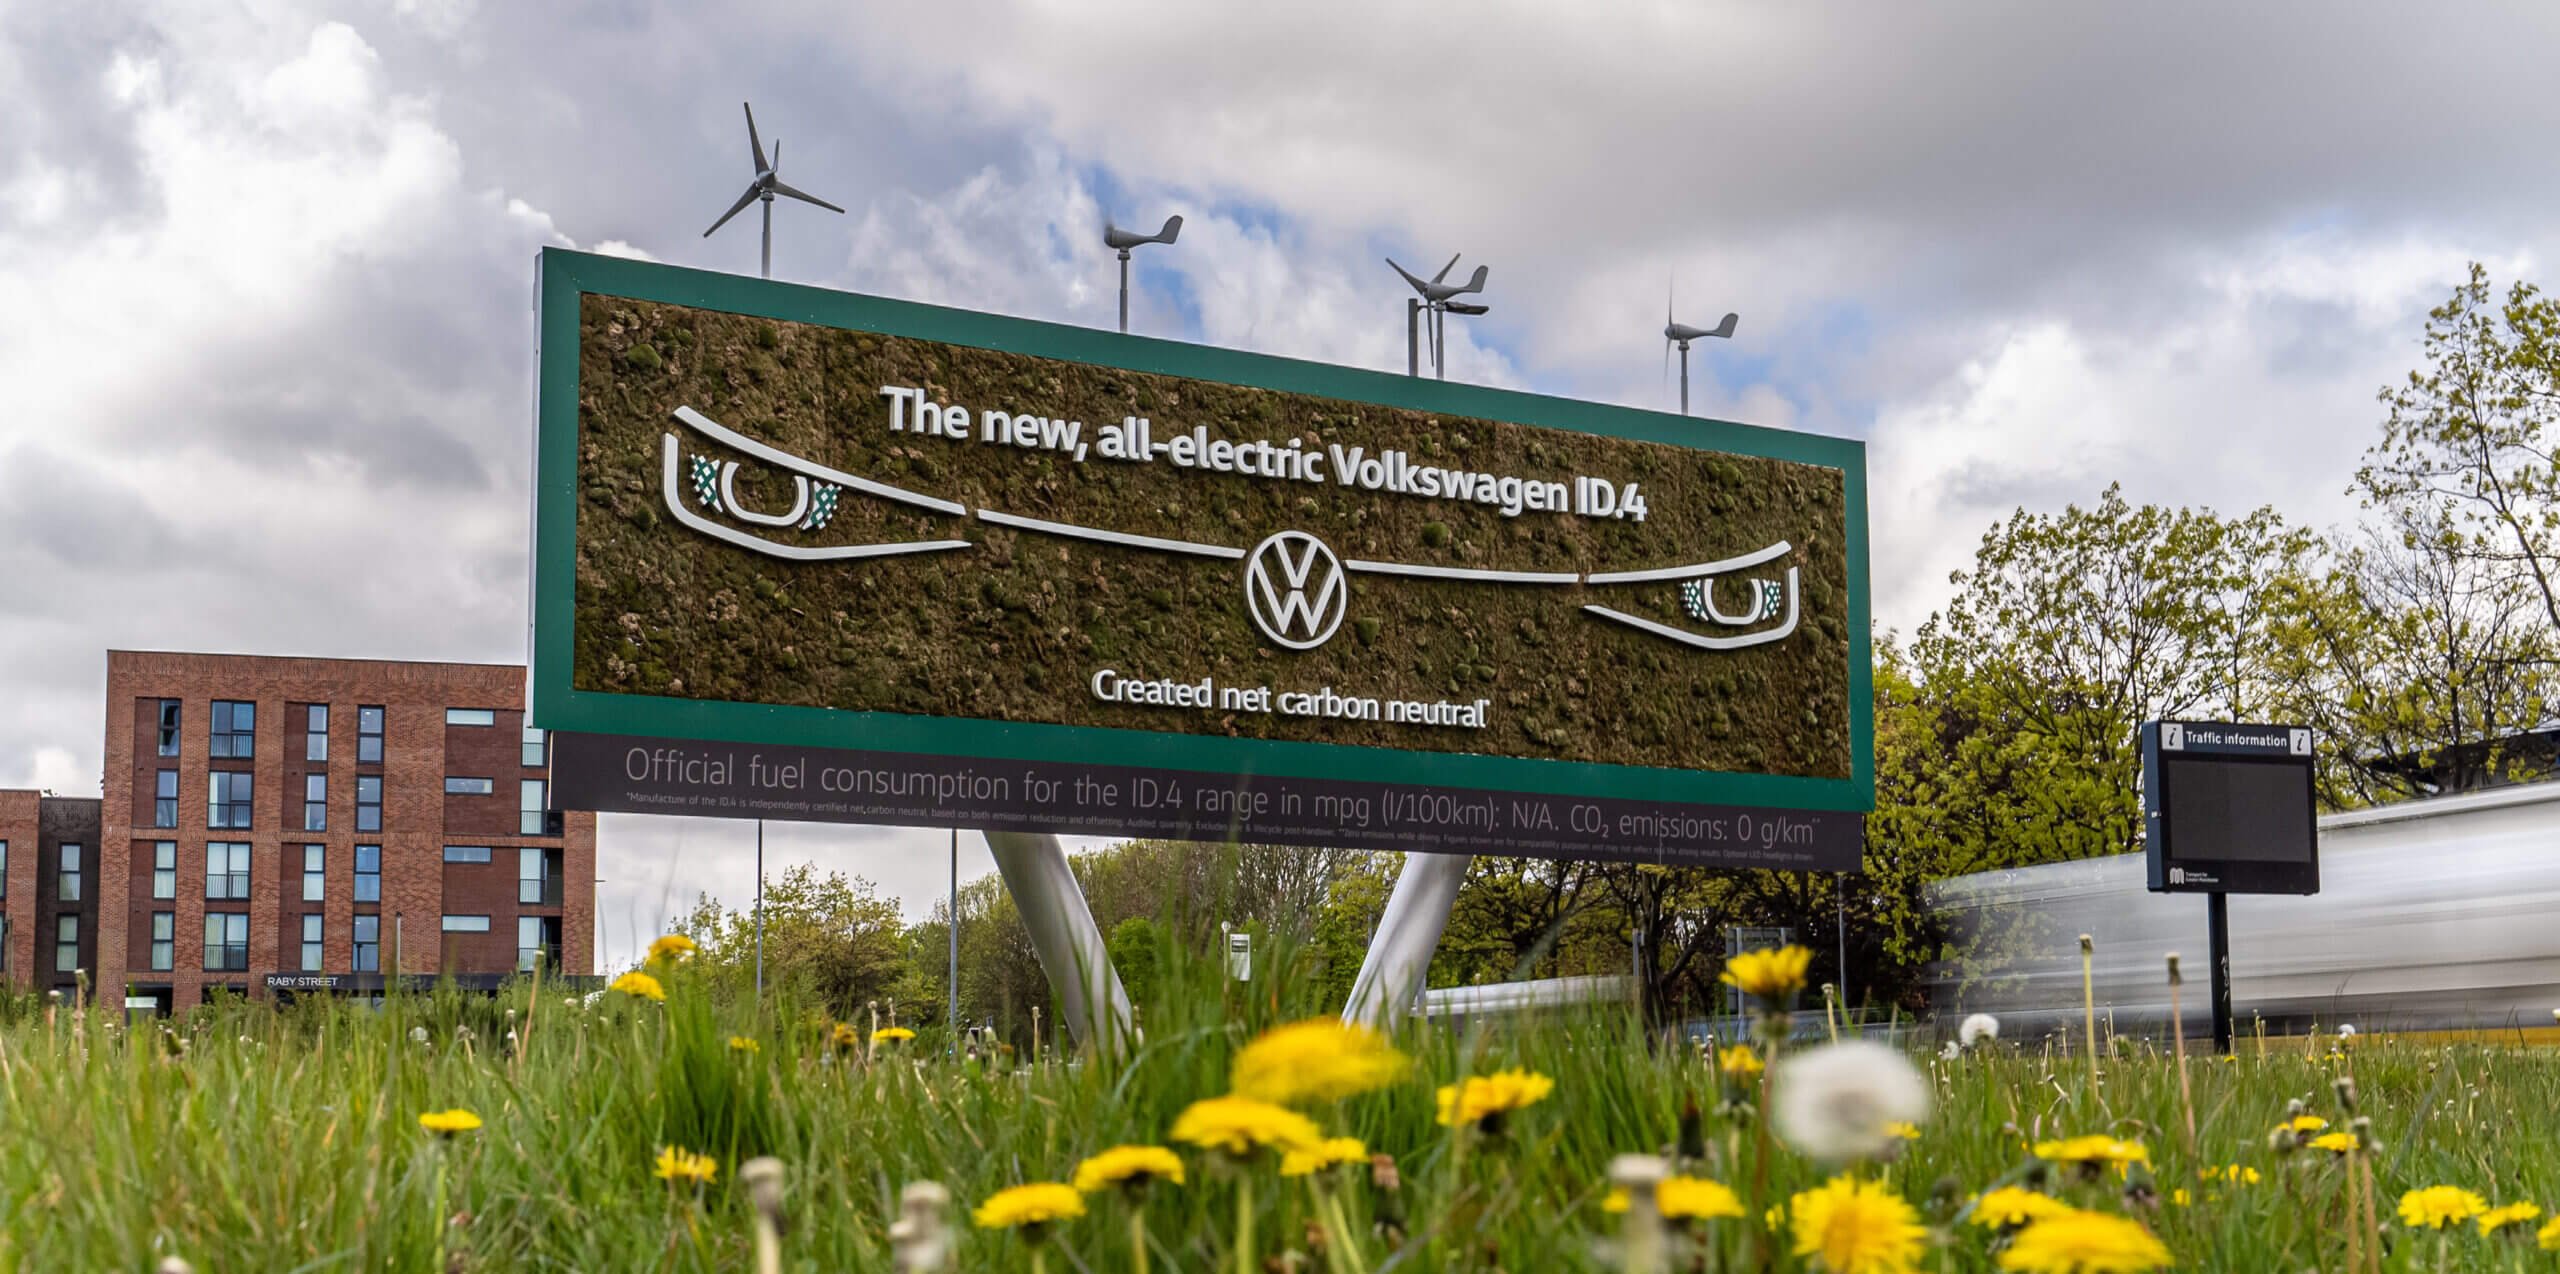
546, 892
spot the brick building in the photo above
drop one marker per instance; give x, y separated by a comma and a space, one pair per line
48, 894
281, 824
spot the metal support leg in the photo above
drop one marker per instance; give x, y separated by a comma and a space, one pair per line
1070, 945
1408, 932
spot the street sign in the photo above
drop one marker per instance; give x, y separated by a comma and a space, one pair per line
2228, 808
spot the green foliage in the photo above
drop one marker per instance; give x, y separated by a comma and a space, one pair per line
1134, 952
249, 1138
832, 939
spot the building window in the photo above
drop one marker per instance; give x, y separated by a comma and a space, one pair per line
235, 728
368, 802
164, 941
315, 802
66, 883
535, 883
168, 727
367, 954
164, 799
530, 820
535, 754
164, 869
315, 732
369, 736
368, 873
311, 942
226, 942
66, 944
315, 872
469, 787
470, 716
229, 805
466, 853
226, 870
466, 924
537, 938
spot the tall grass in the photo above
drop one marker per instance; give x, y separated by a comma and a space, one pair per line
245, 1137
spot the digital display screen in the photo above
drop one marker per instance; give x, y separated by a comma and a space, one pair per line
2231, 809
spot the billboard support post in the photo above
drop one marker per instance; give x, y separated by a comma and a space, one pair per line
1408, 932
2217, 925
1065, 937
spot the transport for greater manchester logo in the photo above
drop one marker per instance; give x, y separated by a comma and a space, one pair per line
1297, 589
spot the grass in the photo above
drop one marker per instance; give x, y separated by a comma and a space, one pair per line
247, 1138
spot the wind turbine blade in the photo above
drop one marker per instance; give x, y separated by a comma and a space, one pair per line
755, 143
1444, 270
1670, 286
734, 209
777, 156
804, 197
1418, 285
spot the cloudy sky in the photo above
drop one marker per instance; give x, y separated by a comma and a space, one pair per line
265, 267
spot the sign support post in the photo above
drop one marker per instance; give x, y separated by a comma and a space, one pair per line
2217, 924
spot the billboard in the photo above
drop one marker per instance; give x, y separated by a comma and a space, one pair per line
2228, 808
893, 540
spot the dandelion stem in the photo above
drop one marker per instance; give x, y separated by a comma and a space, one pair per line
2089, 1009
436, 1218
1244, 1223
1138, 1239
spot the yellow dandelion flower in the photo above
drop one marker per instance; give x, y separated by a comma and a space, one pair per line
2549, 1235
671, 948
745, 1045
1321, 1059
2496, 1219
1483, 1099
1768, 973
2334, 1142
1240, 1126
2097, 1148
1857, 1227
1740, 1061
448, 1122
2180, 1197
1775, 1218
1308, 1161
2236, 1174
2080, 1242
2011, 1206
844, 1036
2436, 1207
1906, 1131
891, 1035
1696, 1199
675, 1163
2304, 1123
1029, 1207
640, 985
1686, 1199
1130, 1167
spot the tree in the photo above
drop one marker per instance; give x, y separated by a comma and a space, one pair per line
2417, 661
2473, 434
1134, 953
833, 939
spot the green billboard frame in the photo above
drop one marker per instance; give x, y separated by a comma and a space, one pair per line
565, 277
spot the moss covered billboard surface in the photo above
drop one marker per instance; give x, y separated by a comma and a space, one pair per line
771, 513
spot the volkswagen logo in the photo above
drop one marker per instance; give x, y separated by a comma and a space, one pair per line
1293, 588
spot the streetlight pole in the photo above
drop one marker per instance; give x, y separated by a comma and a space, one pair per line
759, 913
954, 918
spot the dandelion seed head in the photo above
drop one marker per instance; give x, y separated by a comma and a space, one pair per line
1839, 1102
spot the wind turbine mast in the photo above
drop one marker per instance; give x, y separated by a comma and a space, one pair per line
1680, 334
767, 184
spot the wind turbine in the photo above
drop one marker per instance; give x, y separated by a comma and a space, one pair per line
766, 185
1115, 237
1681, 334
1438, 297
